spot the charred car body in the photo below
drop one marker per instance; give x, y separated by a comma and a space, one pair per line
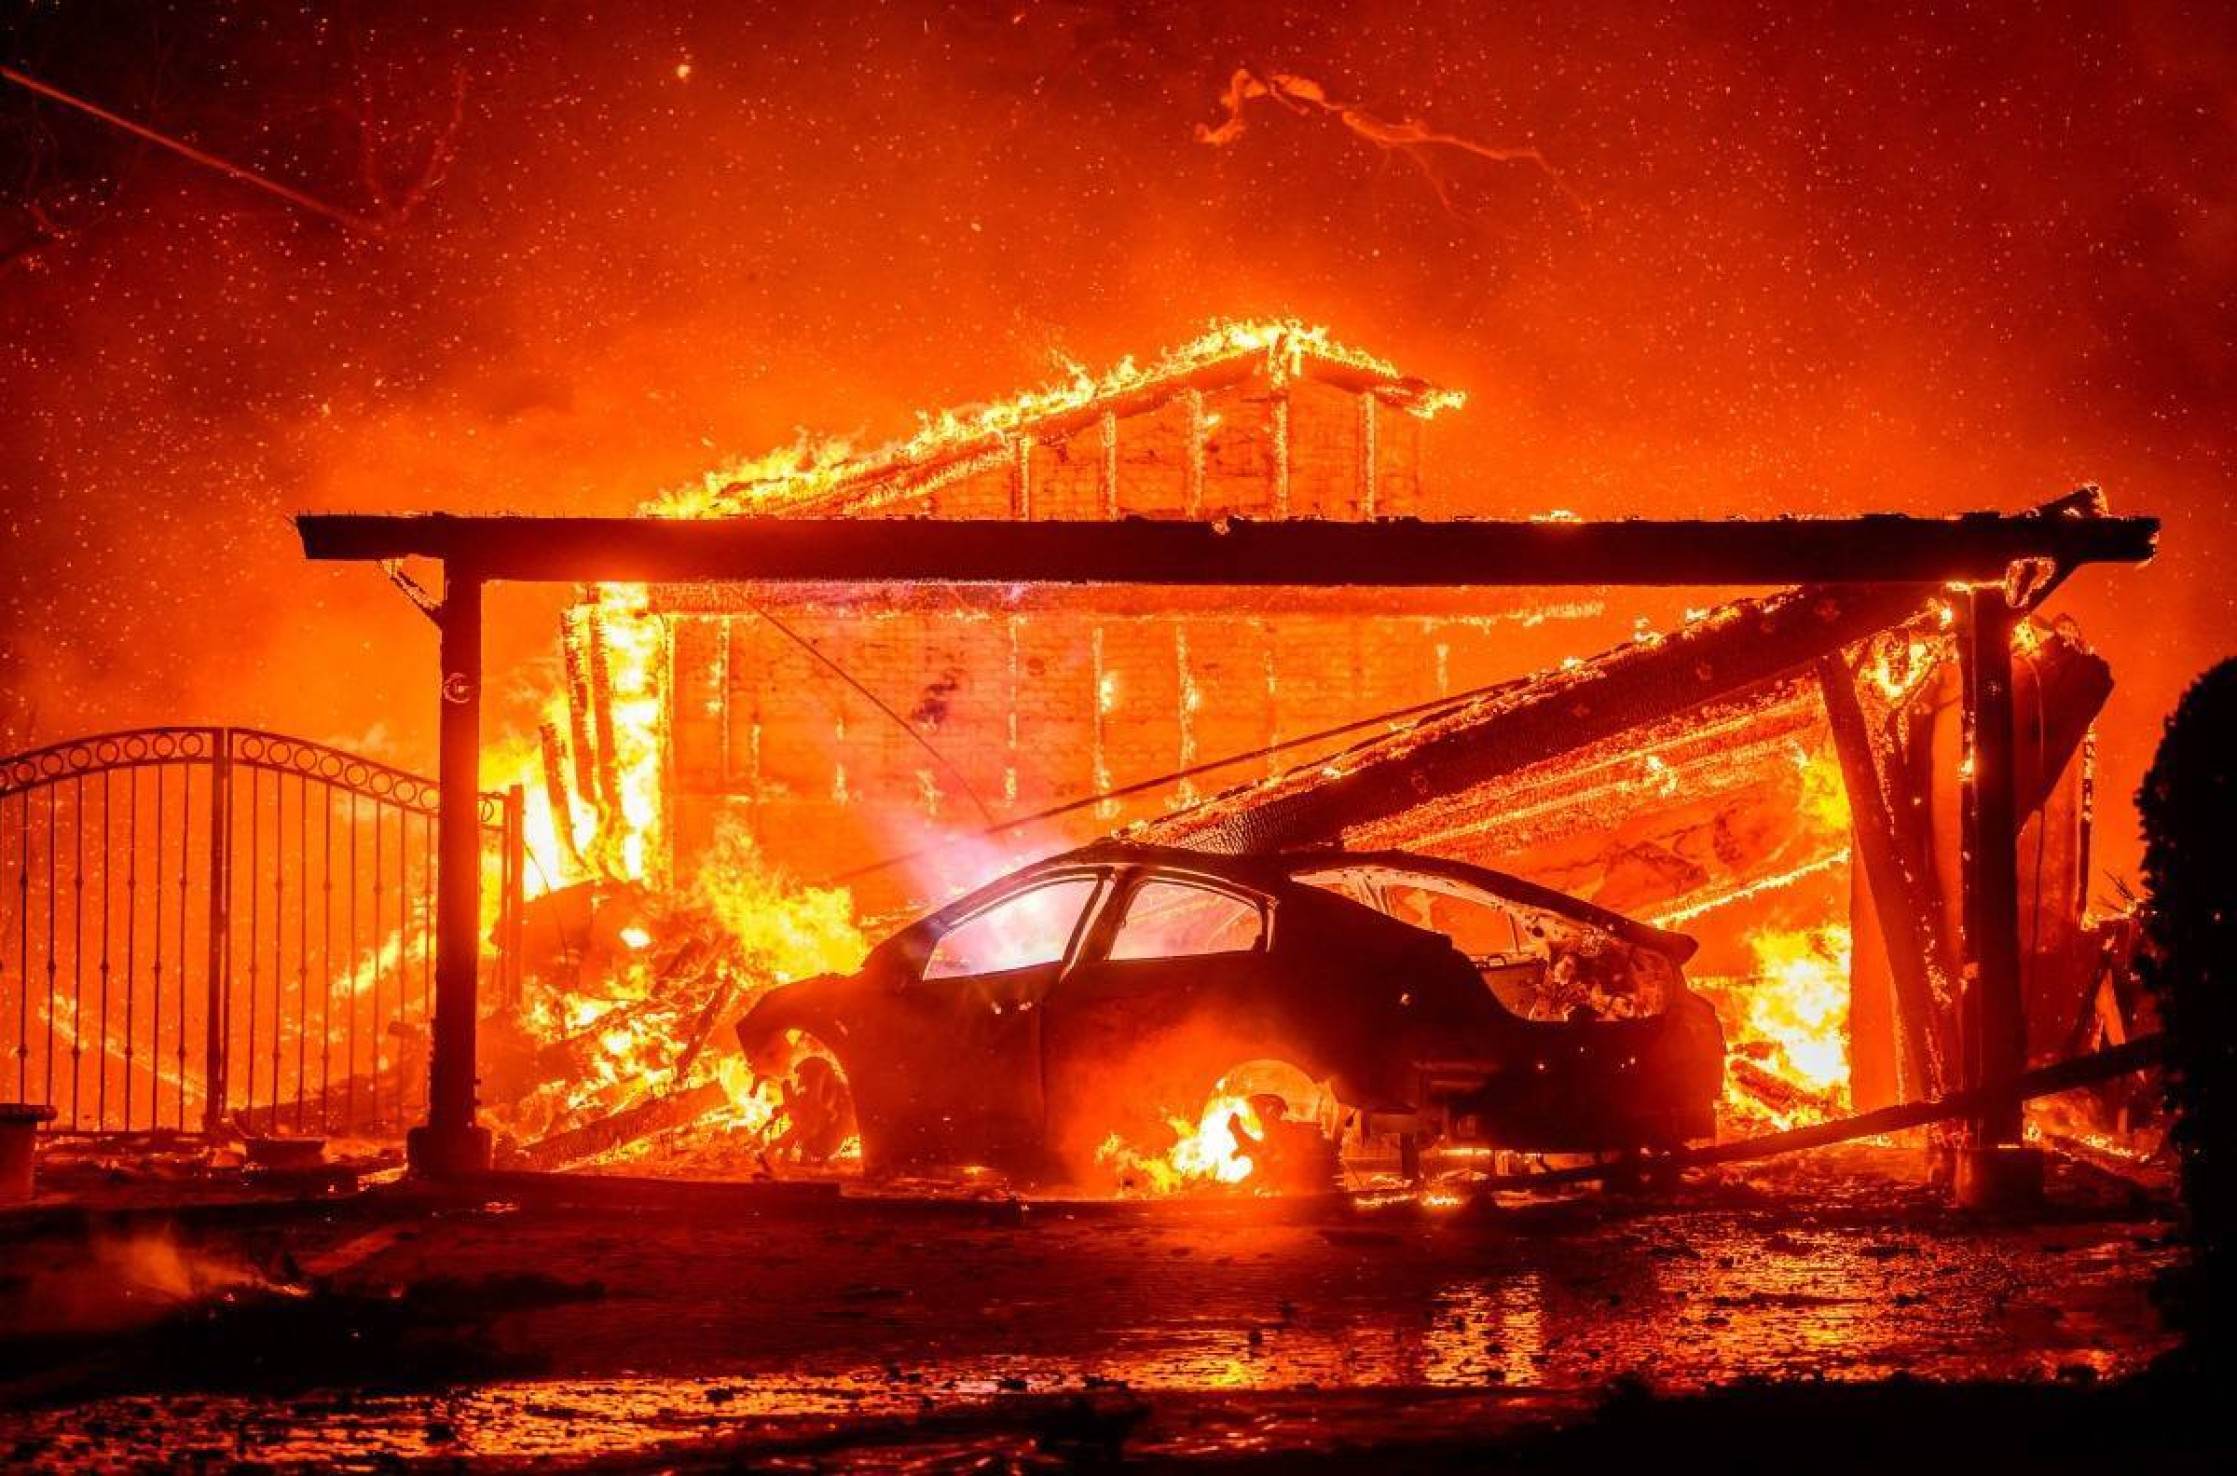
1112, 988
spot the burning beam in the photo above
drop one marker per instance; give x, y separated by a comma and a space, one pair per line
1397, 553
555, 791
1734, 650
1918, 955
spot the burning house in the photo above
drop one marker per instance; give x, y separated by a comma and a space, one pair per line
841, 726
1208, 604
1754, 776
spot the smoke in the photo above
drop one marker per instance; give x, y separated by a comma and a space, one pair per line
1837, 261
1412, 139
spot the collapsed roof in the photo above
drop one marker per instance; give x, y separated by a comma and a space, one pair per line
1730, 667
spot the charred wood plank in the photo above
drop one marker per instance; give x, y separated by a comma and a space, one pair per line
576, 1145
1902, 902
555, 791
1885, 548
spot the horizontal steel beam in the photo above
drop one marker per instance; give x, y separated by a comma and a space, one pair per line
1880, 548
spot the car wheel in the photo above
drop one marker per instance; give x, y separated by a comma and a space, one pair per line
812, 1128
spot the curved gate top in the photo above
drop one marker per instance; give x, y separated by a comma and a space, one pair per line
209, 929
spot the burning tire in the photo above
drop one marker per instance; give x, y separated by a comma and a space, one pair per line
1265, 1126
812, 1125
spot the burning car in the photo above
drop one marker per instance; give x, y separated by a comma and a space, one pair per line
1115, 996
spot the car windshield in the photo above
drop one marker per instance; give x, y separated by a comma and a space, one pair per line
1539, 964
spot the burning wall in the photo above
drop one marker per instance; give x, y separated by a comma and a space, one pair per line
836, 727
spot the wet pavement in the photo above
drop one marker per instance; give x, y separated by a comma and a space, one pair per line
501, 1332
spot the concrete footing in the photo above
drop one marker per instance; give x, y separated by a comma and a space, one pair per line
2001, 1178
19, 1148
448, 1153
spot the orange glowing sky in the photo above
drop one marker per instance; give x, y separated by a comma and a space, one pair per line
1818, 259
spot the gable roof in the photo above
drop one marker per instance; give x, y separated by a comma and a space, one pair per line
826, 478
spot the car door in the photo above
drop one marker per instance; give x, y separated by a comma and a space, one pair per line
1168, 991
972, 1015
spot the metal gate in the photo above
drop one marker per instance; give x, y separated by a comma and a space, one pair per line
210, 929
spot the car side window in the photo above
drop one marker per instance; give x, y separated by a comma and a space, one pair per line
1171, 919
1479, 929
1031, 927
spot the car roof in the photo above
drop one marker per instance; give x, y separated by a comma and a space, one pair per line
1277, 872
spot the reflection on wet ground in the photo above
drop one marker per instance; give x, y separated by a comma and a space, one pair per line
1216, 1333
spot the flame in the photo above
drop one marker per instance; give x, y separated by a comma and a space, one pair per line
1825, 796
1788, 1026
1786, 1021
1802, 1006
810, 469
1204, 1155
785, 931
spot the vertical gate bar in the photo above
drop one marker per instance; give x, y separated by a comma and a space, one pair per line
279, 934
214, 1027
379, 1031
155, 977
77, 946
452, 1142
108, 870
256, 872
131, 930
22, 890
54, 797
186, 856
23, 946
427, 945
326, 969
349, 1078
403, 893
5, 887
302, 938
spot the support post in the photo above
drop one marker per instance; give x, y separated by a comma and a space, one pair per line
451, 1142
1995, 1171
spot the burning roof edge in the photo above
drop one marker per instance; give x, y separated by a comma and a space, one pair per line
830, 476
